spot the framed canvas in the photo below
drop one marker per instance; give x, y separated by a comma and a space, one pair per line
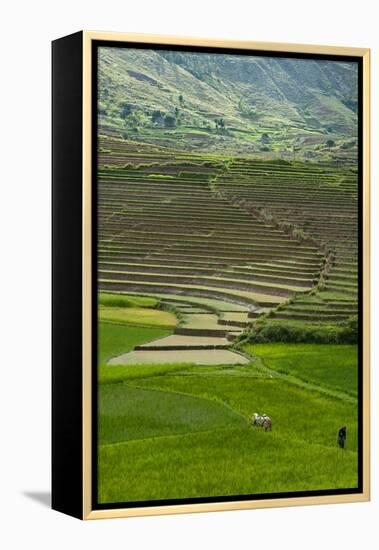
210, 275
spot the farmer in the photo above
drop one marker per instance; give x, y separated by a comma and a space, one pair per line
341, 437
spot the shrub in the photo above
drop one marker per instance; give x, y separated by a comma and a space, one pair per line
349, 331
299, 234
157, 117
343, 333
169, 121
219, 123
281, 161
125, 110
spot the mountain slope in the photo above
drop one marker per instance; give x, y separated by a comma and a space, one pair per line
220, 103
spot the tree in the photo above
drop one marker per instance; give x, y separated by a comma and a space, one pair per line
157, 117
125, 110
181, 100
220, 123
330, 143
169, 121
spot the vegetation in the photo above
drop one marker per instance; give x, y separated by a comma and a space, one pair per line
271, 330
127, 414
261, 255
169, 121
118, 308
240, 94
137, 316
227, 221
124, 301
330, 365
114, 339
163, 434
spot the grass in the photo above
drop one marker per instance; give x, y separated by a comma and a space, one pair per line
219, 463
121, 373
115, 339
296, 412
132, 413
133, 310
138, 316
125, 300
163, 462
169, 431
331, 365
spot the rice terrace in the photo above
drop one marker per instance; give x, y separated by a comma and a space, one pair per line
227, 274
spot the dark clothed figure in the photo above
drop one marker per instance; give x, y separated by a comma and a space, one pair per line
341, 437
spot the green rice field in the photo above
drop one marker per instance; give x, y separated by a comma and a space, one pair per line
181, 431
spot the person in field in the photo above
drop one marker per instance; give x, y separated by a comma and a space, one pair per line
342, 437
263, 421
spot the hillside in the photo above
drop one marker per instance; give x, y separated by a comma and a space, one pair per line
230, 104
268, 244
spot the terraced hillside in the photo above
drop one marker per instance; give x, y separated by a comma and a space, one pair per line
171, 224
320, 204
